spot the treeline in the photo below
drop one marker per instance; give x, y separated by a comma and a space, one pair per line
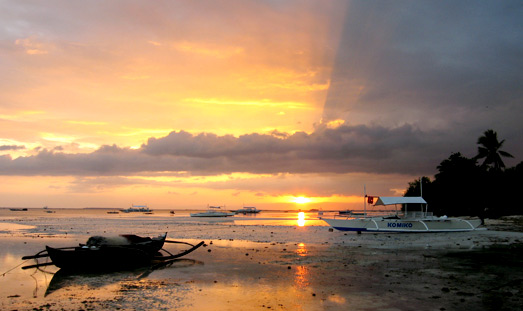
479, 186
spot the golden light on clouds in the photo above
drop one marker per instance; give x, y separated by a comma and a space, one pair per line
206, 49
31, 46
262, 103
93, 93
87, 122
22, 115
335, 123
303, 199
58, 138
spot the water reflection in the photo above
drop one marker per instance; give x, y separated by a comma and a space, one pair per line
337, 299
302, 250
301, 279
301, 219
96, 281
6, 226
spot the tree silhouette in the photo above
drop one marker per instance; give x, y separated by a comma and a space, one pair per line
459, 186
489, 148
462, 187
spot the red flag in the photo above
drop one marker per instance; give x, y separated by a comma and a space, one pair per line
370, 199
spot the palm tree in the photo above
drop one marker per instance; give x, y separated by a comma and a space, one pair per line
489, 148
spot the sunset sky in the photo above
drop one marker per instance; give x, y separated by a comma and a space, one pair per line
180, 104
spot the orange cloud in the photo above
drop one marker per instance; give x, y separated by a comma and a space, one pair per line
31, 46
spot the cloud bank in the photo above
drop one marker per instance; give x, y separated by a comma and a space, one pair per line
345, 149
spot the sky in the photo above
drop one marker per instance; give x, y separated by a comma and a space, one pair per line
275, 104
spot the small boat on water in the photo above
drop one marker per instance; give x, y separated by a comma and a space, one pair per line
408, 221
213, 211
18, 209
137, 208
247, 210
111, 253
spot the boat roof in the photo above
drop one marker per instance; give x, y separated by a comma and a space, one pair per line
399, 200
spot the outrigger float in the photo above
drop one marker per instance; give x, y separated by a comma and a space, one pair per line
408, 221
111, 254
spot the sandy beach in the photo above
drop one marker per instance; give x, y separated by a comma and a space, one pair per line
266, 263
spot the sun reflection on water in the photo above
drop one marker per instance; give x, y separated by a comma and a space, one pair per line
301, 219
302, 250
301, 276
301, 279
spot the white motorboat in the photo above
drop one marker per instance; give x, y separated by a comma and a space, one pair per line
137, 208
247, 210
213, 211
408, 221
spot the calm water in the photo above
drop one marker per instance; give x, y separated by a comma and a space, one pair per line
282, 218
27, 232
250, 262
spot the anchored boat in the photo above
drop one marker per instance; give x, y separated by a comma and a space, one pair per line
137, 208
111, 253
213, 211
408, 221
247, 210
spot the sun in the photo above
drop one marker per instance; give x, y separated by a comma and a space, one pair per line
301, 200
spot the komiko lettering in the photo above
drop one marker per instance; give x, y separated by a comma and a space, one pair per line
399, 225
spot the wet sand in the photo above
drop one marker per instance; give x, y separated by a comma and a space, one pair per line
271, 267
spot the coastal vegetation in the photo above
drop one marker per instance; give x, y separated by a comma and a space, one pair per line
478, 186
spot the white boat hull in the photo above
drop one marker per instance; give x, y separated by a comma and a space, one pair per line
380, 224
214, 214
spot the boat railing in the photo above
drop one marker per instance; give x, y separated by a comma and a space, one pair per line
352, 214
385, 214
418, 214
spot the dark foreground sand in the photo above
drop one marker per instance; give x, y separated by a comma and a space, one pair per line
283, 268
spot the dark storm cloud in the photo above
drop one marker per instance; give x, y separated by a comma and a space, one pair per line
449, 65
341, 150
11, 147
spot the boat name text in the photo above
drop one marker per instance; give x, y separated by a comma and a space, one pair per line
399, 225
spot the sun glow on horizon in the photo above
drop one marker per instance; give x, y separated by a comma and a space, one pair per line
302, 200
317, 201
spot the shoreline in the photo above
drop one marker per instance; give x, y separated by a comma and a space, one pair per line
265, 267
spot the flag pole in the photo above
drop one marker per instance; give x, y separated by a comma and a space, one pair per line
364, 200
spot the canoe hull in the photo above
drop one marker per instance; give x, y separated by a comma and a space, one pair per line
99, 254
99, 259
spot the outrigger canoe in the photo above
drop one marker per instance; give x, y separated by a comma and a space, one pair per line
103, 254
410, 221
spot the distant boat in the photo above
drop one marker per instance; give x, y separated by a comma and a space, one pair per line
247, 210
409, 221
137, 208
18, 209
113, 212
213, 211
